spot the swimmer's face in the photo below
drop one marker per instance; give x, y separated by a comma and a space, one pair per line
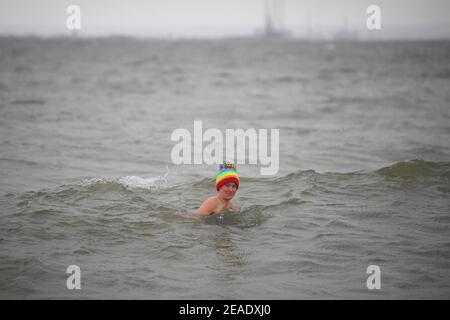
228, 190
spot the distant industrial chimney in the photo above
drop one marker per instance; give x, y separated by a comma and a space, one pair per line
274, 15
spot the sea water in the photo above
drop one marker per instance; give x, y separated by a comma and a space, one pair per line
86, 176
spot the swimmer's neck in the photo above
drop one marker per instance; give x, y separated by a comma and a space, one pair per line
222, 200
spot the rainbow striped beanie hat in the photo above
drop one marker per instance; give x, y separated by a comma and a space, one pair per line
226, 175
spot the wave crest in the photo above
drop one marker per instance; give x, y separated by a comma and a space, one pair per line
127, 182
416, 168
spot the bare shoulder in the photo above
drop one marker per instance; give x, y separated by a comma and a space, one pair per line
208, 206
212, 201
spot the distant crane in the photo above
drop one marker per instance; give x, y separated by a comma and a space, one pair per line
345, 33
274, 15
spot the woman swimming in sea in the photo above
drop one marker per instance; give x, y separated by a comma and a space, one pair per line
227, 184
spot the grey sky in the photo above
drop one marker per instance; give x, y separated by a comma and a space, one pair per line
400, 18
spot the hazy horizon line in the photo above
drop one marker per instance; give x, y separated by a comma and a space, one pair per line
75, 36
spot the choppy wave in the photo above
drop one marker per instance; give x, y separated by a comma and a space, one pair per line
127, 182
409, 168
306, 180
245, 218
416, 168
260, 198
327, 219
90, 111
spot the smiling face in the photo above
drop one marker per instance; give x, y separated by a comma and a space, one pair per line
227, 191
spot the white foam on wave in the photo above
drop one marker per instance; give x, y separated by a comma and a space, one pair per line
130, 182
91, 181
133, 182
